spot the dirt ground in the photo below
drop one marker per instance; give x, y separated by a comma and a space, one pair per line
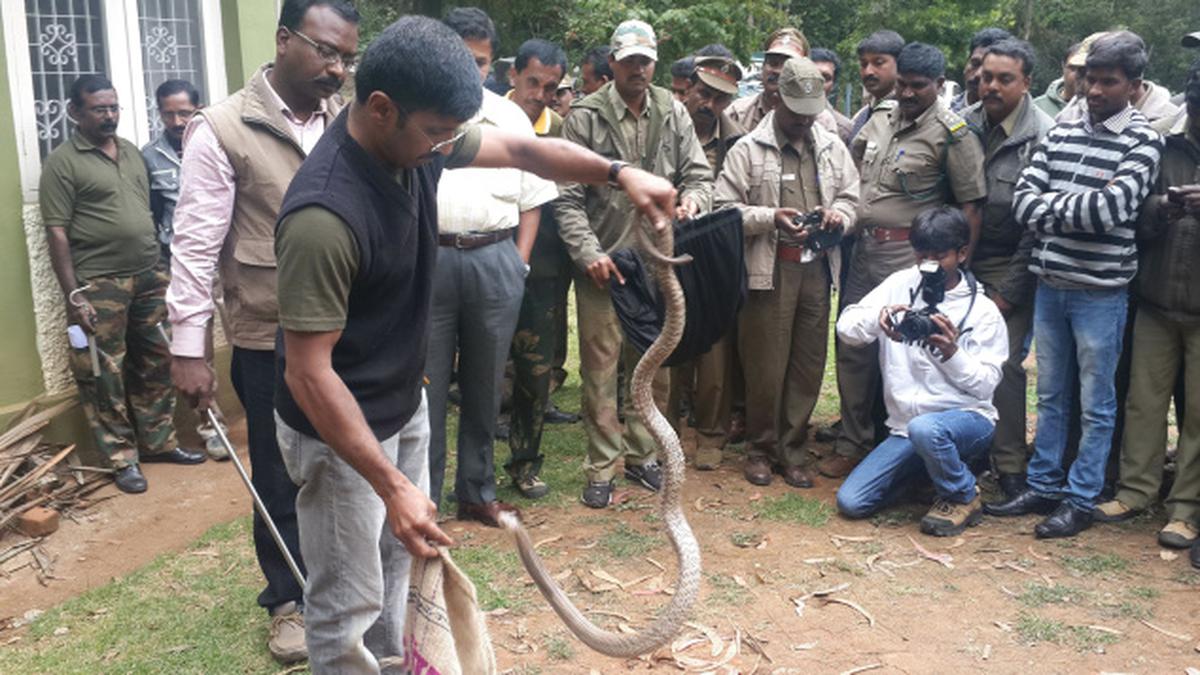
995, 599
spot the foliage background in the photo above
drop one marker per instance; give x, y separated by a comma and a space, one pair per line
684, 25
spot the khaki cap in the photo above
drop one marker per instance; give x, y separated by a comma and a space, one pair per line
802, 87
634, 37
786, 45
1191, 40
719, 73
1079, 58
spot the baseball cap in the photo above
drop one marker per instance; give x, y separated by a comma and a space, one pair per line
786, 45
802, 87
1191, 40
634, 37
719, 73
567, 82
1079, 58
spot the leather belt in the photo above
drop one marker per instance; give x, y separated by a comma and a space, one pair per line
469, 240
789, 252
882, 234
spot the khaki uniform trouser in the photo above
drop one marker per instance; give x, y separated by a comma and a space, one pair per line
1160, 345
1010, 451
858, 374
601, 344
785, 333
709, 380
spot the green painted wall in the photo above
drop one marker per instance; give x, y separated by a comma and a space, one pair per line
19, 363
249, 29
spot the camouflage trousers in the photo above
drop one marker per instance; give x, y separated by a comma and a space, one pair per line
533, 355
130, 406
601, 345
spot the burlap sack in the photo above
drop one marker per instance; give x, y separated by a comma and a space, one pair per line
444, 631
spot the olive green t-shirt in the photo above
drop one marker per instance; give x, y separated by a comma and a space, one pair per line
103, 205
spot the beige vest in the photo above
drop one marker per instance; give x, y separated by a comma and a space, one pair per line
257, 139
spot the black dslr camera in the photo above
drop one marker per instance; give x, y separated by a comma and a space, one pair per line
918, 325
818, 239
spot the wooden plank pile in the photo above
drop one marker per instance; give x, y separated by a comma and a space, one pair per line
39, 482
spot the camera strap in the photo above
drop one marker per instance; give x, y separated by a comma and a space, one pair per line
974, 286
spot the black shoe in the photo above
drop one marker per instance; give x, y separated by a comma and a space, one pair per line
1194, 556
1011, 484
648, 475
555, 416
1024, 503
176, 456
830, 433
597, 495
130, 479
1066, 521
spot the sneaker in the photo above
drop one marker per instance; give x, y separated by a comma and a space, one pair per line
531, 487
648, 475
598, 495
1113, 511
948, 519
286, 640
1178, 534
212, 443
708, 458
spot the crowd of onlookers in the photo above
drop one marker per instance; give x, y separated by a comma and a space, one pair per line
957, 229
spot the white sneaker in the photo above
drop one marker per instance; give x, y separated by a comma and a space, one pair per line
286, 640
212, 442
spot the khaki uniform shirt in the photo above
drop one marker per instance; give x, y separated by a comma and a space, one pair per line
908, 166
635, 128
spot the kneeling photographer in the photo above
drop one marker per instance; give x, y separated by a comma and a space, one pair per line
797, 188
942, 346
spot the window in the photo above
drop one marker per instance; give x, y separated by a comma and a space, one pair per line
138, 44
172, 48
66, 40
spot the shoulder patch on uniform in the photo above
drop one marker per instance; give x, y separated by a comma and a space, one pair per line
954, 123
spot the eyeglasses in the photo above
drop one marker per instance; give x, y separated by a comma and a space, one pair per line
182, 115
327, 53
438, 146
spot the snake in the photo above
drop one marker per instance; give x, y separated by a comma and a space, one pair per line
656, 249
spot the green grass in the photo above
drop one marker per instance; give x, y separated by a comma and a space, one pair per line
1037, 595
745, 539
497, 575
1033, 629
559, 647
793, 508
724, 590
192, 612
1098, 563
624, 542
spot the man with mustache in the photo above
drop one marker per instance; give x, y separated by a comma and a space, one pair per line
780, 46
1062, 90
631, 122
979, 44
916, 156
1081, 194
177, 103
241, 155
1011, 126
877, 67
708, 381
94, 195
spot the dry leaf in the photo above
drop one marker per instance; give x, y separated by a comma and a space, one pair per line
1168, 555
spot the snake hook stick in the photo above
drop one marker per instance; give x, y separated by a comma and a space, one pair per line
669, 620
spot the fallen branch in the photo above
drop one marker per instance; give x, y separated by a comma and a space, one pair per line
862, 669
856, 607
943, 559
1177, 636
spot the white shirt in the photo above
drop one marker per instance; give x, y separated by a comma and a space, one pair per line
916, 382
482, 200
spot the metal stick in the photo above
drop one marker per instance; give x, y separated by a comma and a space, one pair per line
258, 504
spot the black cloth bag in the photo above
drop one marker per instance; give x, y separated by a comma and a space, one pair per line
714, 286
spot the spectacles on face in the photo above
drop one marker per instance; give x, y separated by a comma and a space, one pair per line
435, 147
181, 115
327, 53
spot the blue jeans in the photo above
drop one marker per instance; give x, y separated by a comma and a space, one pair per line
939, 445
1087, 324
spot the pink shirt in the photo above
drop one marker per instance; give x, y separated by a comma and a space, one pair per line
208, 187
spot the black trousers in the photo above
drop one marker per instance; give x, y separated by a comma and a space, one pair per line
253, 375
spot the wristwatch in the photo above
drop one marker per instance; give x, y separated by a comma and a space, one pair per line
613, 170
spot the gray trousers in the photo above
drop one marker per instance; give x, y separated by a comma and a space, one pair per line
476, 303
357, 570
